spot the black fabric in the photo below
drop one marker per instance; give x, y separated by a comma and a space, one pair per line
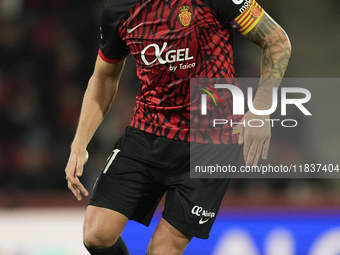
226, 10
145, 168
119, 248
112, 45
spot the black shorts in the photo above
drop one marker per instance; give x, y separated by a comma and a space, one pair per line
143, 167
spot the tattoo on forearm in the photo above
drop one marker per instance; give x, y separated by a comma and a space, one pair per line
276, 49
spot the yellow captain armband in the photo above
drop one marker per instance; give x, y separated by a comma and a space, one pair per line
251, 13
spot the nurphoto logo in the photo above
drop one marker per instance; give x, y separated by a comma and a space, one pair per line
239, 101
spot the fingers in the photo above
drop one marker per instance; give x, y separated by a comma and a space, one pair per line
265, 149
241, 135
246, 148
74, 190
73, 170
253, 148
254, 154
75, 185
77, 188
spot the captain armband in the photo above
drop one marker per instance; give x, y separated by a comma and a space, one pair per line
251, 13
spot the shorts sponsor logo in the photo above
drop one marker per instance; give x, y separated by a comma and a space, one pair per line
204, 214
238, 1
196, 210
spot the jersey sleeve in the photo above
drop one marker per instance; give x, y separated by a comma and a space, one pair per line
112, 47
242, 15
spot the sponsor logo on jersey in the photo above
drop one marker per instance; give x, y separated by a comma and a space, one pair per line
204, 214
245, 6
170, 56
185, 17
130, 30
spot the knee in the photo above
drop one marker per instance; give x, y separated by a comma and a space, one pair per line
96, 239
98, 231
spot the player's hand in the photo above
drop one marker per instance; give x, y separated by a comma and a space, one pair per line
255, 139
74, 170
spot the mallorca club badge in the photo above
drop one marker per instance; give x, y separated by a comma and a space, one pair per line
255, 11
185, 16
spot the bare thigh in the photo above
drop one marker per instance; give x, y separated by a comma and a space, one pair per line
102, 227
167, 240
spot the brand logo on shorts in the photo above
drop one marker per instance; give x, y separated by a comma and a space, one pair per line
203, 221
204, 214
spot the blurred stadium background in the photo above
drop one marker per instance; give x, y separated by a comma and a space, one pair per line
47, 52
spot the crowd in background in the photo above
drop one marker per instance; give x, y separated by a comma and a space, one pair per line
47, 54
47, 51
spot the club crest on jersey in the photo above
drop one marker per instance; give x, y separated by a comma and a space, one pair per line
255, 11
185, 17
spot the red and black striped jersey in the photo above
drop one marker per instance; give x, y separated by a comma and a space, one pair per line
173, 41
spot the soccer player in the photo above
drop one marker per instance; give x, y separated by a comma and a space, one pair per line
171, 41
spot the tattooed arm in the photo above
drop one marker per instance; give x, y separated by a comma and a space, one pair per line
276, 50
275, 55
